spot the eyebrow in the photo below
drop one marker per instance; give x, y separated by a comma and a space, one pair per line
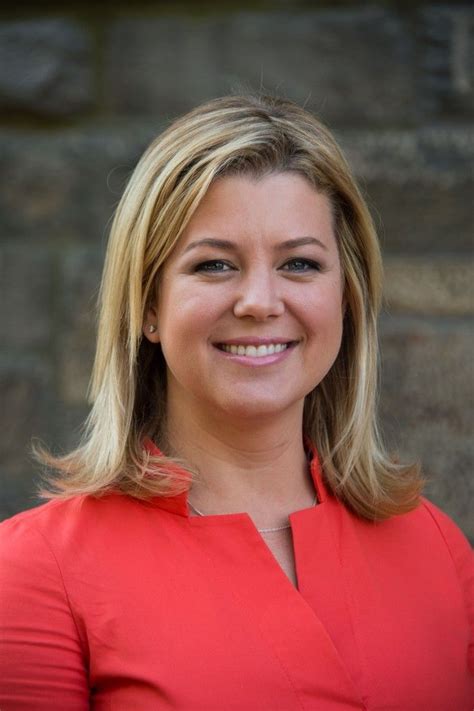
231, 247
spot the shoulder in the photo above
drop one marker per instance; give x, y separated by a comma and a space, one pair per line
61, 524
27, 557
39, 513
43, 520
28, 539
442, 522
43, 651
80, 532
425, 525
461, 555
23, 531
431, 542
430, 524
457, 545
425, 538
48, 549
423, 547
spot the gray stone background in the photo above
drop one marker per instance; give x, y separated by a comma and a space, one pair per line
84, 88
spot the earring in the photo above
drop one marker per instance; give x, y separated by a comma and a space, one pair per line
152, 328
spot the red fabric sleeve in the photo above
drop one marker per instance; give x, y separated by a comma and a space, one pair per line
41, 661
463, 558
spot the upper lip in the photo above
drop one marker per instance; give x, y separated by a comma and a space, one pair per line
254, 341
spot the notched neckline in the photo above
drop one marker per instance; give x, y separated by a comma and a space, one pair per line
178, 504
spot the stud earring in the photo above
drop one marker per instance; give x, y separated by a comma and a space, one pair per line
151, 328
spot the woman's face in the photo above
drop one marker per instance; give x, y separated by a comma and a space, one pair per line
250, 306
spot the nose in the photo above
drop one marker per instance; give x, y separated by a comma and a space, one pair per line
258, 296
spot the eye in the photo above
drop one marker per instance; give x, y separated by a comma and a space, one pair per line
213, 266
299, 265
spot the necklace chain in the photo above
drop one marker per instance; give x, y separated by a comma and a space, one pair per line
260, 530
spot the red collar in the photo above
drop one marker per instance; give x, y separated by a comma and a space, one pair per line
179, 504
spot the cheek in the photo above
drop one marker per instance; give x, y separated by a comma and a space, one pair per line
185, 317
324, 311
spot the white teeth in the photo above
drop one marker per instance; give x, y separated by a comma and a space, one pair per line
255, 351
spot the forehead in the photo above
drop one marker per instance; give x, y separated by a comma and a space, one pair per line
277, 206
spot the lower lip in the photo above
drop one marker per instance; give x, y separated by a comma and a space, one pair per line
257, 362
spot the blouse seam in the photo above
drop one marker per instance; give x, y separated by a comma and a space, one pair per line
285, 671
458, 573
438, 526
66, 595
349, 604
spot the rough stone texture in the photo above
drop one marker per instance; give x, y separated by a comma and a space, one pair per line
27, 403
64, 186
427, 405
33, 413
324, 58
45, 67
79, 282
395, 82
447, 51
417, 219
26, 297
427, 286
440, 156
419, 184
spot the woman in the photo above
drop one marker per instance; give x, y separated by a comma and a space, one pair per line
231, 533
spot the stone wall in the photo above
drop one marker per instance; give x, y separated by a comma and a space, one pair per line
83, 89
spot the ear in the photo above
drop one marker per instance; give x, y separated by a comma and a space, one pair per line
150, 325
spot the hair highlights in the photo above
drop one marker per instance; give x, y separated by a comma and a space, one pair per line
232, 135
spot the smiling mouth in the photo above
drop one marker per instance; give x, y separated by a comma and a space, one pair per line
255, 351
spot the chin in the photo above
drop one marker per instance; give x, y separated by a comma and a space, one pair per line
255, 407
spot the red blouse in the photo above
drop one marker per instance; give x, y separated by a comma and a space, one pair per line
115, 604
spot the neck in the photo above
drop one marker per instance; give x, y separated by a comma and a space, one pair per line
256, 466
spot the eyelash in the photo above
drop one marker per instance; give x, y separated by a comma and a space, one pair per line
308, 264
209, 266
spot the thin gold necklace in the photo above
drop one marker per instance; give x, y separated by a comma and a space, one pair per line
260, 530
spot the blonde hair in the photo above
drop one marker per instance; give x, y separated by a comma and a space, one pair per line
231, 135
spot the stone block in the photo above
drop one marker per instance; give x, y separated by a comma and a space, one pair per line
19, 491
161, 65
32, 410
443, 286
327, 59
46, 67
27, 396
427, 402
79, 285
422, 219
419, 185
26, 297
63, 187
446, 41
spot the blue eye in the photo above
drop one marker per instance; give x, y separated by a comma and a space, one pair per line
300, 265
213, 266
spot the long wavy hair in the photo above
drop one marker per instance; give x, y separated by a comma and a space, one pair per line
243, 135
